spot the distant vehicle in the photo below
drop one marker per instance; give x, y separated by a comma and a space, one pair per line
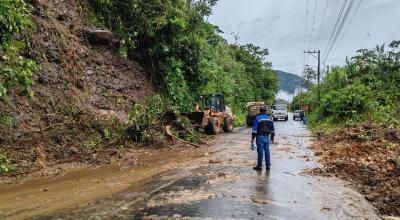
252, 110
280, 112
296, 115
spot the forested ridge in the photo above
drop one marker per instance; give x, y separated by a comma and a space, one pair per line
66, 98
289, 82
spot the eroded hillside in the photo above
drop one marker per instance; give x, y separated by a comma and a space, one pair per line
79, 88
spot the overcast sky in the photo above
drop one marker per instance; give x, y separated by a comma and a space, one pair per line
280, 25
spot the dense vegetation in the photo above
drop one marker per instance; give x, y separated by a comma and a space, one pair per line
290, 82
185, 53
15, 70
365, 89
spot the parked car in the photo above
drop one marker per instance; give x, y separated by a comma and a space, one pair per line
296, 115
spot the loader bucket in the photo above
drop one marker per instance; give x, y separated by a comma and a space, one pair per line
196, 118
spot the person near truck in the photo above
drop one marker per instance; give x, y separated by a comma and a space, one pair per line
303, 117
263, 129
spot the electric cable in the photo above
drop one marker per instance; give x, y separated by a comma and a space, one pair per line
322, 23
305, 33
339, 30
349, 24
313, 24
339, 17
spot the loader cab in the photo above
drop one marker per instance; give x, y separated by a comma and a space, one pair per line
215, 102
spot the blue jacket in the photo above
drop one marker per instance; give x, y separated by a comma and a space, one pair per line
263, 126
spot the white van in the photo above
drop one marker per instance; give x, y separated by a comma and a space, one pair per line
280, 112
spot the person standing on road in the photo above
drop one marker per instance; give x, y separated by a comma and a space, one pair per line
303, 117
263, 127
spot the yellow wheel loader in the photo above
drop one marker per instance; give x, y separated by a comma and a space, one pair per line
212, 115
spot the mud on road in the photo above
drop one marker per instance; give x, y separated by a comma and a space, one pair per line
218, 182
369, 157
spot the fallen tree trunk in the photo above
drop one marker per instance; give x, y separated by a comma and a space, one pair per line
197, 137
169, 133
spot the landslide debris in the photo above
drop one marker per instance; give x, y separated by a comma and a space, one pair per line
369, 157
83, 92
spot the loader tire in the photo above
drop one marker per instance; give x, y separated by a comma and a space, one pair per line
212, 126
228, 124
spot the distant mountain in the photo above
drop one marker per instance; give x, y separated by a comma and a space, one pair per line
289, 82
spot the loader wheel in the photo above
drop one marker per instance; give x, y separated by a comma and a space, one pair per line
228, 124
212, 126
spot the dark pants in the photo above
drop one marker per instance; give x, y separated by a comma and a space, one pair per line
263, 147
304, 120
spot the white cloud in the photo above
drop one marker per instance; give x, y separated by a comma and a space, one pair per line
279, 25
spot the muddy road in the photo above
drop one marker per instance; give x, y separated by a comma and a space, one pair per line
216, 182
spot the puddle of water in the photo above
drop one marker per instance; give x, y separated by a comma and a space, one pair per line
45, 195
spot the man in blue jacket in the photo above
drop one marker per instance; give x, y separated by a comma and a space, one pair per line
263, 127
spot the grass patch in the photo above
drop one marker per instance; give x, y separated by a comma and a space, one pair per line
240, 119
6, 121
3, 164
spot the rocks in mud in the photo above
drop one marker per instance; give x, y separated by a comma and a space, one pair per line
392, 134
372, 165
259, 201
395, 173
325, 209
214, 161
102, 37
221, 174
63, 15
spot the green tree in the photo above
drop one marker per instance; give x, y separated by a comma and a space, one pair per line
366, 88
15, 70
309, 75
187, 56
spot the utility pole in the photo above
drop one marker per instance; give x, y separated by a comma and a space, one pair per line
318, 72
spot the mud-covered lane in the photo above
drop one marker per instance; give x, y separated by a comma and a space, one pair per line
223, 185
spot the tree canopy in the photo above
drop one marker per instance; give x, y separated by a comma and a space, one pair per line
186, 54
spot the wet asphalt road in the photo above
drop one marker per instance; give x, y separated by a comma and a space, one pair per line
222, 185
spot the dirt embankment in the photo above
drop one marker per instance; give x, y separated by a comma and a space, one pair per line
81, 93
369, 157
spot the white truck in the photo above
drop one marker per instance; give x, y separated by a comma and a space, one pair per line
280, 112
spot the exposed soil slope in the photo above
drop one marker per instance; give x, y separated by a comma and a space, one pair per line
79, 88
369, 157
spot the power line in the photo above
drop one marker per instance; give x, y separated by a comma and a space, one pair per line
336, 24
305, 32
313, 24
322, 23
349, 24
311, 34
341, 25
